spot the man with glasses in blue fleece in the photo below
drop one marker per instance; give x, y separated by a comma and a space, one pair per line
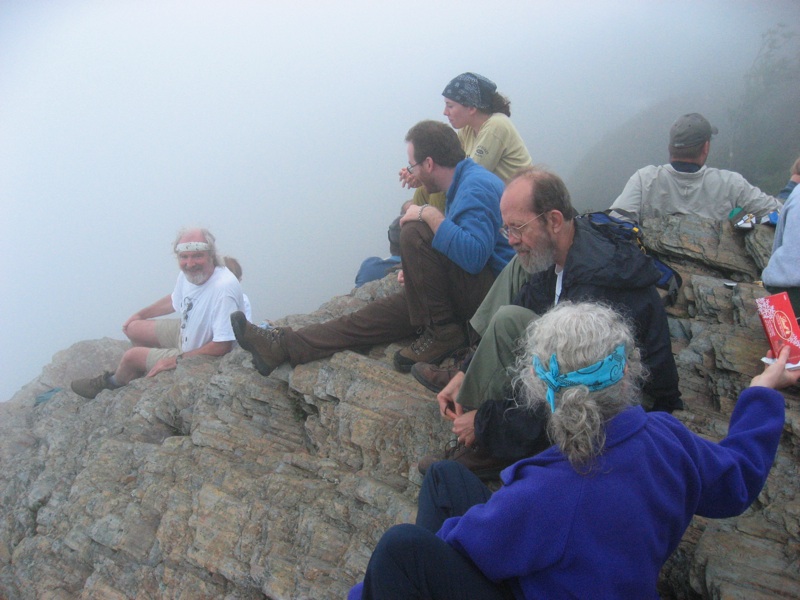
450, 260
558, 257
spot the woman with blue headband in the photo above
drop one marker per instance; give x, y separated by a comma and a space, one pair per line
598, 513
481, 115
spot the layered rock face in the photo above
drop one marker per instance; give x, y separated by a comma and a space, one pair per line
214, 482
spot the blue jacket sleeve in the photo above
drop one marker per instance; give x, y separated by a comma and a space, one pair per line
356, 591
468, 234
734, 471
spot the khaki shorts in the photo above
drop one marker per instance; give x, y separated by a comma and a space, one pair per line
168, 332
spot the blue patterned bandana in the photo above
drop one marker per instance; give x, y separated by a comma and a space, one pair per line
470, 89
600, 375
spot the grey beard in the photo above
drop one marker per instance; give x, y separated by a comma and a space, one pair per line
539, 260
196, 277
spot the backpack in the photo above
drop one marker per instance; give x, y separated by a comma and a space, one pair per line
627, 230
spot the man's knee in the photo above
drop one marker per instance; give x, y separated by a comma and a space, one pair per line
400, 540
445, 470
142, 333
510, 321
413, 234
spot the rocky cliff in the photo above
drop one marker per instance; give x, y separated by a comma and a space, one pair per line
214, 482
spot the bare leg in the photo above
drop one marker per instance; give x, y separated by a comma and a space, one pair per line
132, 366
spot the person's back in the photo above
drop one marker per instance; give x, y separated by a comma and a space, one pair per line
657, 191
496, 145
686, 186
625, 518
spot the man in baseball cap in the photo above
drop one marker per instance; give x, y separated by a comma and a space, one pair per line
686, 186
691, 130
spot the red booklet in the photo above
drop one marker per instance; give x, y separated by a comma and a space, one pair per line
781, 327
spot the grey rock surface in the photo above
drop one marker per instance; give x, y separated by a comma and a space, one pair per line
212, 481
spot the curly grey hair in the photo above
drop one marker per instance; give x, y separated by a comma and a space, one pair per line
580, 335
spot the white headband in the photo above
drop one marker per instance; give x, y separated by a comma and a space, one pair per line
193, 247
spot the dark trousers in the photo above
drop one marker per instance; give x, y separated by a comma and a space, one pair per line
410, 562
436, 291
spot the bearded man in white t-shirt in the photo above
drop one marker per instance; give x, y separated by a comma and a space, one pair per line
204, 296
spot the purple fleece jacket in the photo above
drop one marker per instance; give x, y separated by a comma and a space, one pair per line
558, 534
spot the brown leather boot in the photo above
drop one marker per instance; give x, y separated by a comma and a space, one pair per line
433, 377
90, 387
266, 345
435, 344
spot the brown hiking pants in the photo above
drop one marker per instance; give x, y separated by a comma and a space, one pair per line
436, 290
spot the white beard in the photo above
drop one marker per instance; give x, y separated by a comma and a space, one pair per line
197, 277
537, 259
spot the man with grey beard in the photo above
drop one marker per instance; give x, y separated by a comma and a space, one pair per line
558, 257
205, 295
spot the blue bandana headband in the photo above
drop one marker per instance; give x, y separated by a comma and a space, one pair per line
471, 89
600, 375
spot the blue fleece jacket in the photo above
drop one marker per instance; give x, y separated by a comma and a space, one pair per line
554, 533
558, 534
470, 233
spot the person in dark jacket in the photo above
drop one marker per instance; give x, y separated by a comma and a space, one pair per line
558, 257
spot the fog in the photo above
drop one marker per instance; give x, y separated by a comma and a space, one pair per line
280, 126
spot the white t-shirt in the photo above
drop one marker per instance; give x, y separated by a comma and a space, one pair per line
248, 310
205, 310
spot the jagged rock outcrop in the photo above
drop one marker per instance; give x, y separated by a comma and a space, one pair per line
214, 482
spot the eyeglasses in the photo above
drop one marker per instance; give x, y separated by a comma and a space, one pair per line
412, 167
508, 230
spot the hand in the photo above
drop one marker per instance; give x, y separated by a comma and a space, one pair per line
401, 279
449, 408
407, 179
464, 428
776, 376
131, 319
412, 214
165, 364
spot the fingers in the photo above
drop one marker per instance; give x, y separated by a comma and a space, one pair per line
775, 375
446, 410
783, 356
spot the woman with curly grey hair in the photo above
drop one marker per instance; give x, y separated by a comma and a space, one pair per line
556, 356
598, 513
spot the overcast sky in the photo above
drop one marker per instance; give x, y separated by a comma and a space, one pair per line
280, 126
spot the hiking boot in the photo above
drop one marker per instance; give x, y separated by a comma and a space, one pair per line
435, 344
432, 377
89, 388
266, 346
426, 461
479, 461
